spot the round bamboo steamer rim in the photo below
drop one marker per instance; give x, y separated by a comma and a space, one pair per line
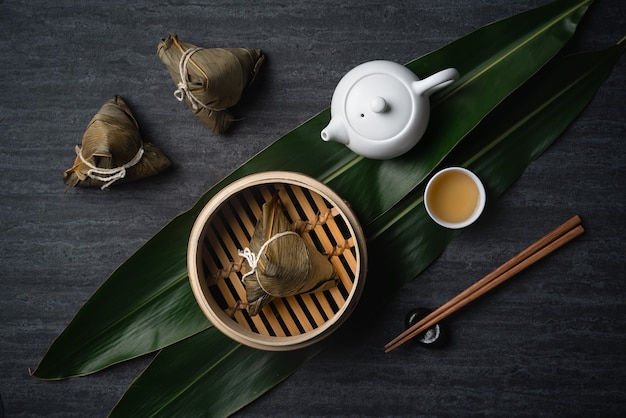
282, 325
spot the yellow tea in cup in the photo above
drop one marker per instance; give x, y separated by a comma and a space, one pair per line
454, 197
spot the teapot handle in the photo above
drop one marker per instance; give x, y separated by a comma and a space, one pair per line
435, 82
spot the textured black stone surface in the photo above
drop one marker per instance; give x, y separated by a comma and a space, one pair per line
551, 342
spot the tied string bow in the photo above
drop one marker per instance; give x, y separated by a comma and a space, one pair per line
109, 175
253, 259
183, 87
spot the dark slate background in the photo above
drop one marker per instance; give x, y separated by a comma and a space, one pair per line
552, 342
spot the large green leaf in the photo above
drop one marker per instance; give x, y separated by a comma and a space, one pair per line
493, 62
403, 242
143, 306
498, 151
206, 375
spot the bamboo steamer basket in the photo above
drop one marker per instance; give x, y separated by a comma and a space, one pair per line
225, 226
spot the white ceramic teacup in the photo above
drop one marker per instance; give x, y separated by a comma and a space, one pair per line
454, 197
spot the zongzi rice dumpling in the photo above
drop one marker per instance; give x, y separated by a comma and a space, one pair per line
210, 80
281, 263
112, 150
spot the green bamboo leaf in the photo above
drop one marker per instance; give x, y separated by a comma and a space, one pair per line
507, 52
91, 341
190, 389
498, 151
140, 308
552, 108
405, 241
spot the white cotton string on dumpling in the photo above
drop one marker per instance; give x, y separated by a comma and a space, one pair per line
210, 80
281, 263
112, 150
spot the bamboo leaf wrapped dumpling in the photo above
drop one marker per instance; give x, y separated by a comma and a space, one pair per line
280, 262
112, 150
210, 80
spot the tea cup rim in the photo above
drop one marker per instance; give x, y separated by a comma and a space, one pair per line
482, 199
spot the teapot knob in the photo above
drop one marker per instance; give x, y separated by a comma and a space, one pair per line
378, 105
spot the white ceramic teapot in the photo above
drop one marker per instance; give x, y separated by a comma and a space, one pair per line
380, 109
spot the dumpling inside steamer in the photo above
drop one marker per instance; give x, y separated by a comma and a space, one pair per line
280, 262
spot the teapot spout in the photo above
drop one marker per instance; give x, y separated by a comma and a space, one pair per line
336, 132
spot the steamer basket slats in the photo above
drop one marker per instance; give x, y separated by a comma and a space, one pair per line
225, 226
322, 235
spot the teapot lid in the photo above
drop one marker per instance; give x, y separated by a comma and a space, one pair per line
379, 106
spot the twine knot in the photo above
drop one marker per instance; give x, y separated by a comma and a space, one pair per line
183, 87
109, 175
253, 259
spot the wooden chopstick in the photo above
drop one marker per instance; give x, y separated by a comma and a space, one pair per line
536, 251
